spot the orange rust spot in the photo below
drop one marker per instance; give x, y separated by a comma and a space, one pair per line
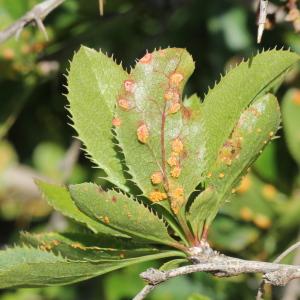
157, 196
230, 151
129, 85
258, 130
244, 186
162, 53
296, 97
269, 191
209, 175
187, 113
221, 175
116, 122
143, 133
156, 178
172, 94
176, 78
78, 246
146, 59
174, 108
173, 159
8, 54
254, 111
55, 242
177, 145
262, 221
177, 199
175, 172
246, 214
106, 219
124, 103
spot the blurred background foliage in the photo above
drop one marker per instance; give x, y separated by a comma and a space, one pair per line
261, 219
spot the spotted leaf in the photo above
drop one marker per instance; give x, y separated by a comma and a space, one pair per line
118, 211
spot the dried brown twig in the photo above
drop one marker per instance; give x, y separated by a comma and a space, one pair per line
221, 266
36, 15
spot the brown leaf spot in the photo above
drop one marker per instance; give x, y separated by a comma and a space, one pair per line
157, 196
187, 113
124, 104
175, 79
230, 150
116, 122
129, 86
143, 133
146, 59
156, 178
114, 199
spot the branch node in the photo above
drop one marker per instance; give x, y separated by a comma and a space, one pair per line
153, 276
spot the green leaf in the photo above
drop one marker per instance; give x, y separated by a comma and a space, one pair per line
224, 103
93, 83
29, 267
59, 198
257, 125
291, 122
173, 264
155, 125
120, 213
87, 247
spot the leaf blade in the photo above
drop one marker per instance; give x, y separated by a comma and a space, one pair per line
120, 212
59, 198
93, 83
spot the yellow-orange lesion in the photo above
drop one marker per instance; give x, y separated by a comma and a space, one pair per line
143, 133
157, 196
157, 177
177, 198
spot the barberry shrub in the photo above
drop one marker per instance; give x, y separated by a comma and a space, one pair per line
171, 161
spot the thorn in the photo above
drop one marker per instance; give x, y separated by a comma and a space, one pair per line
263, 5
101, 7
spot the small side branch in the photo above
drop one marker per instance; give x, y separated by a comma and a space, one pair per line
37, 14
222, 266
261, 289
